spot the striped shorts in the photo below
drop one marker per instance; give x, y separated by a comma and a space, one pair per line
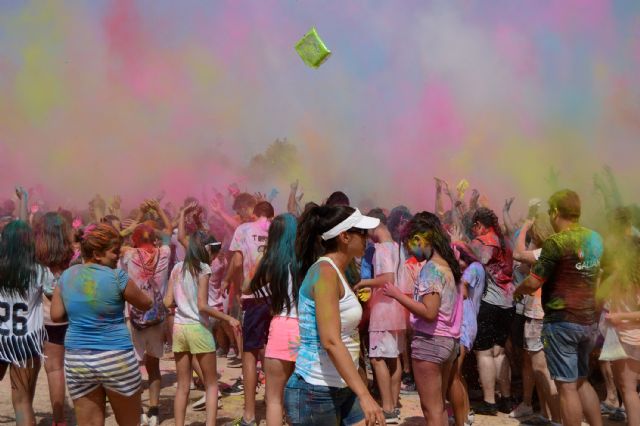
86, 370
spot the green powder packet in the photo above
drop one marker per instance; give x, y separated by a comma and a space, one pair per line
312, 49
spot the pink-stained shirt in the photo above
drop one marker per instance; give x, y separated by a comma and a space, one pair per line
251, 240
386, 313
434, 278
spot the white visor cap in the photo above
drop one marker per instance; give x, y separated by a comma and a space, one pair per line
355, 220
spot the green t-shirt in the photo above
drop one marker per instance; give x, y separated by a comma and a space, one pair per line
569, 265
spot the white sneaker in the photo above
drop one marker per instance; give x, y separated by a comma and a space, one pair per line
153, 421
200, 404
144, 420
522, 410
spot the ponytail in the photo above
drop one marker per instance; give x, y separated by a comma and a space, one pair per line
309, 245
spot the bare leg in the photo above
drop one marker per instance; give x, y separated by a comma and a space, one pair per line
590, 403
90, 409
124, 407
54, 366
458, 395
395, 371
627, 373
612, 392
183, 372
384, 383
527, 379
503, 371
545, 385
153, 370
428, 377
277, 373
207, 362
168, 329
487, 373
570, 403
250, 377
23, 387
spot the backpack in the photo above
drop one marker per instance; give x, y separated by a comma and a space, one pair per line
157, 313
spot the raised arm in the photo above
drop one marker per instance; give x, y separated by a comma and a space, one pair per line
506, 216
155, 205
439, 204
217, 207
114, 206
293, 203
520, 252
23, 203
183, 238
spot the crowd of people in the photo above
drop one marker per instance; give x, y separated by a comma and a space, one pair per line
339, 313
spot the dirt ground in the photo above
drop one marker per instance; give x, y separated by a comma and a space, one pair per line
411, 414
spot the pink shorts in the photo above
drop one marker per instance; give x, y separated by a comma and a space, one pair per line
284, 339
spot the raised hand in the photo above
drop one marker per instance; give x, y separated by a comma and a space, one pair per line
153, 204
507, 204
114, 204
260, 197
190, 207
21, 193
455, 232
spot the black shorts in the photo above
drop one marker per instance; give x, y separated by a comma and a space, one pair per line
517, 330
494, 326
56, 333
256, 315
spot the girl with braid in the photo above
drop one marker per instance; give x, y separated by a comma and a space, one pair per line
496, 311
436, 313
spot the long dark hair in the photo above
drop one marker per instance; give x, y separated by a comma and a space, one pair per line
53, 241
313, 222
437, 237
489, 219
18, 266
272, 275
197, 252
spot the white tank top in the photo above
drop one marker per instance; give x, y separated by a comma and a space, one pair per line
313, 362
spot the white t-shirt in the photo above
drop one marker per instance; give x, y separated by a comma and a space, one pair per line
250, 239
185, 294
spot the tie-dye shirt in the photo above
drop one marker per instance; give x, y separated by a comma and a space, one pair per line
569, 265
387, 314
435, 278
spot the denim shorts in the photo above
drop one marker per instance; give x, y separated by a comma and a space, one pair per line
307, 404
567, 347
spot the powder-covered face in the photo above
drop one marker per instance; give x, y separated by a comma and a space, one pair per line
419, 246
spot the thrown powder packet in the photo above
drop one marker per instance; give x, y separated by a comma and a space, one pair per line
312, 49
